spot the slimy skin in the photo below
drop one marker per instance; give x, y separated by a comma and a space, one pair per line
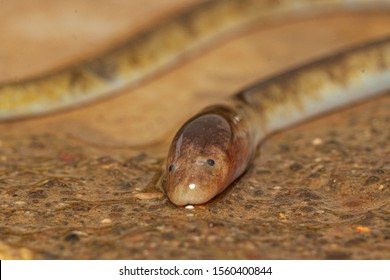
208, 153
228, 135
210, 159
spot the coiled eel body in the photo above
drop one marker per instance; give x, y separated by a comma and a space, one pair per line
215, 147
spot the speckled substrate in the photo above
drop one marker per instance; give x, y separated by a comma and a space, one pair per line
71, 187
318, 191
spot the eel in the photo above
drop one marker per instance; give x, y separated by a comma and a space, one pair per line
216, 146
153, 50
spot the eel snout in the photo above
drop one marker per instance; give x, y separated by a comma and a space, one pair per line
196, 181
199, 164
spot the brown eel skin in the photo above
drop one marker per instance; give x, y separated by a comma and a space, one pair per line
216, 146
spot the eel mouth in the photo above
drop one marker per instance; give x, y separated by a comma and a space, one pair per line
192, 193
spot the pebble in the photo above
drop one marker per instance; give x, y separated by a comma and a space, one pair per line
317, 141
147, 196
106, 221
282, 216
362, 229
20, 202
318, 159
79, 233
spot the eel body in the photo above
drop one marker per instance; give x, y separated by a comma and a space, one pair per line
216, 146
153, 50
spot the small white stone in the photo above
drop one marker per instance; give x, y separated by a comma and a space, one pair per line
317, 141
189, 207
79, 233
106, 221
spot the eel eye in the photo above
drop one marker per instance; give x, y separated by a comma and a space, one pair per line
210, 162
171, 167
